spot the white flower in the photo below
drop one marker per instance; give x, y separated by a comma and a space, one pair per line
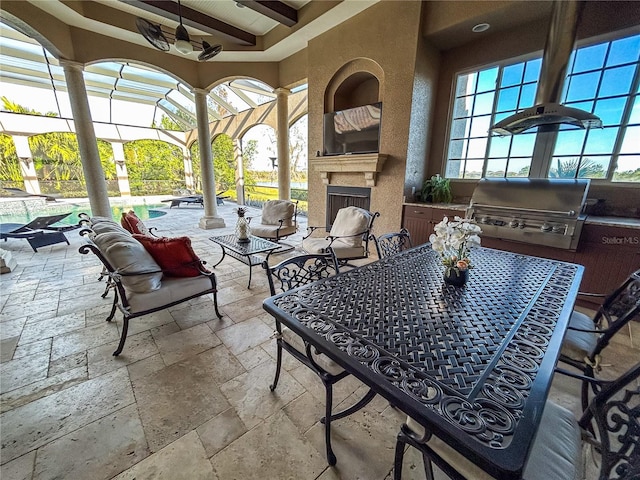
453, 239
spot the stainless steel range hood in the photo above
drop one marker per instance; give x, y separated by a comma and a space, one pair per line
548, 112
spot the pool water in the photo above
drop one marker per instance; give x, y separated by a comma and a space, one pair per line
144, 212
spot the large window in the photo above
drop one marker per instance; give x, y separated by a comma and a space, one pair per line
603, 79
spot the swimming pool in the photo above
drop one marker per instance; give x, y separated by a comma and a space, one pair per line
29, 213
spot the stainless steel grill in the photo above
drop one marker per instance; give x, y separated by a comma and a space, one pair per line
539, 211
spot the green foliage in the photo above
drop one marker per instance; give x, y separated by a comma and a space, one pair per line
585, 169
9, 163
152, 161
628, 176
437, 190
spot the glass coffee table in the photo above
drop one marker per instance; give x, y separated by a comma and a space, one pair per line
245, 252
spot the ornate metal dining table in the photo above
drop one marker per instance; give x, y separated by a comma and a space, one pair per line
472, 364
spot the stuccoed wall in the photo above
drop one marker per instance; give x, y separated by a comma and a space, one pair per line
374, 35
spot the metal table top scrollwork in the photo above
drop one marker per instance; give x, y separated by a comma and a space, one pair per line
473, 364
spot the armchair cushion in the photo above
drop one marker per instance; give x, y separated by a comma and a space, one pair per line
174, 255
275, 210
269, 231
128, 256
172, 290
340, 248
133, 224
350, 221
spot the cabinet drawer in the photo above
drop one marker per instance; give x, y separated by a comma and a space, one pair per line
423, 213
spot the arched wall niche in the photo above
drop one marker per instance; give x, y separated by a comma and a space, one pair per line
358, 82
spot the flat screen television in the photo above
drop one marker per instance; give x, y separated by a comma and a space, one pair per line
354, 130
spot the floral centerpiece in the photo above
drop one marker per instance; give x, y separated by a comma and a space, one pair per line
453, 240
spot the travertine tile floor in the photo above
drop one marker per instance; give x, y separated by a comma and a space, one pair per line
189, 396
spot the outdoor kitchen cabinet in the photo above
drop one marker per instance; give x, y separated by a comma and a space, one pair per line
420, 220
609, 255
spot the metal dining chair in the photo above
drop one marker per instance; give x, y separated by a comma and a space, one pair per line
611, 423
587, 337
289, 274
392, 243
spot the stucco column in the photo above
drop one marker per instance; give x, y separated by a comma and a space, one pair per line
188, 168
27, 167
284, 170
211, 218
237, 155
87, 144
121, 169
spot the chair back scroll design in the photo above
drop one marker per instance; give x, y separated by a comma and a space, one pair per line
615, 411
392, 243
300, 270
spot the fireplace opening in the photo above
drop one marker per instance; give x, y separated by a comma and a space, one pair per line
341, 197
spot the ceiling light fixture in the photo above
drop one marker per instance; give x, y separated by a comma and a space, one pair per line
160, 39
481, 27
183, 42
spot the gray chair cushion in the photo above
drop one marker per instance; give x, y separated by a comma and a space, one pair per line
577, 344
556, 452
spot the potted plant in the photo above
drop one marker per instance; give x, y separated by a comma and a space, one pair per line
436, 190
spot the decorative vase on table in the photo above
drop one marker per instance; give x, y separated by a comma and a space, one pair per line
453, 240
242, 231
455, 276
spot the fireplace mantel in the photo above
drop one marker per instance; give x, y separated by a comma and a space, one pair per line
368, 164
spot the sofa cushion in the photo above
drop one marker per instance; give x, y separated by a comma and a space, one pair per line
106, 227
275, 210
128, 256
349, 221
173, 290
133, 224
174, 255
96, 220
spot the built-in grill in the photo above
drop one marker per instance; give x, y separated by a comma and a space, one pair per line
538, 211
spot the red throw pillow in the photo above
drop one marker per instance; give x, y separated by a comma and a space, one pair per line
174, 255
133, 224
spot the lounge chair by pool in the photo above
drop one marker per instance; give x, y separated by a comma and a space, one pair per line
39, 232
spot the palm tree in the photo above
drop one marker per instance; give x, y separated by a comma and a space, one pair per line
574, 168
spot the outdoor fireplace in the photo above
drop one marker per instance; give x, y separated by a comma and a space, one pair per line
341, 197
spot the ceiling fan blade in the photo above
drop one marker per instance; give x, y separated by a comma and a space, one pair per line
209, 51
153, 34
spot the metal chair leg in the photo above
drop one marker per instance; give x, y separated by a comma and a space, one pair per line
397, 464
273, 386
123, 337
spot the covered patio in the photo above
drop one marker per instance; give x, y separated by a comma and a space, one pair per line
189, 396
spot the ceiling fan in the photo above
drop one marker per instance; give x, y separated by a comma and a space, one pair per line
155, 35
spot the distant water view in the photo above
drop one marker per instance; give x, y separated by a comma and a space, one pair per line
299, 185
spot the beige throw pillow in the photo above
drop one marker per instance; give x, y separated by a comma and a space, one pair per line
275, 210
127, 255
349, 221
